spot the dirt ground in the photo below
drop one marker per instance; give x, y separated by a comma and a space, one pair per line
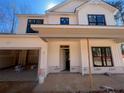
17, 87
62, 83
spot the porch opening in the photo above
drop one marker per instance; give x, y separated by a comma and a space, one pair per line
65, 58
19, 65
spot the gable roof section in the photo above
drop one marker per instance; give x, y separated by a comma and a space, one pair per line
80, 3
59, 5
67, 6
100, 3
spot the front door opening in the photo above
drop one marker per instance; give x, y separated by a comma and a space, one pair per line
65, 58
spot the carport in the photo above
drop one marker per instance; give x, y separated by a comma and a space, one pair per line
22, 58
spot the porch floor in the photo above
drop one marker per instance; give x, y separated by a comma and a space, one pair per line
77, 82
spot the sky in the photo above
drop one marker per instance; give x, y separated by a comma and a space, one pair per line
29, 6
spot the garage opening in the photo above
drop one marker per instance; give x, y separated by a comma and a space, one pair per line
19, 65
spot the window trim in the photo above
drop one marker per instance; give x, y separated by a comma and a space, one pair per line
96, 23
112, 62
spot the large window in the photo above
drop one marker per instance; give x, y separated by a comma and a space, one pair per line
96, 20
33, 21
64, 21
102, 57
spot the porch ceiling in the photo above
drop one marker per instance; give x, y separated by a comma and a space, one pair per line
74, 31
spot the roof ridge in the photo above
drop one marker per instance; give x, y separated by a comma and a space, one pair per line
58, 5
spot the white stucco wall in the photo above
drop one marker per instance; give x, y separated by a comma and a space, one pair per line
116, 54
55, 19
22, 22
54, 55
20, 42
94, 9
22, 25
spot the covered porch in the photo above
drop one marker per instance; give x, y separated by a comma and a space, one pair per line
86, 37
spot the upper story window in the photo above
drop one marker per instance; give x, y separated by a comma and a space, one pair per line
96, 20
64, 21
33, 21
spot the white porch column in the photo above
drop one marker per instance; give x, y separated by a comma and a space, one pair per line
84, 57
42, 67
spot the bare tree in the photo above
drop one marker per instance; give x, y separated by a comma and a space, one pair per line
119, 4
13, 7
5, 19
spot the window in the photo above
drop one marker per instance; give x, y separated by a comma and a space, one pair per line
33, 21
122, 49
102, 57
64, 21
96, 20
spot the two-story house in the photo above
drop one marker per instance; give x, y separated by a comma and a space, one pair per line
73, 36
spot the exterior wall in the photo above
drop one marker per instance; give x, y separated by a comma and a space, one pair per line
21, 42
22, 23
79, 60
116, 54
94, 9
56, 18
54, 55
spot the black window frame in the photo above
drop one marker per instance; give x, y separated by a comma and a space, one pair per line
103, 61
122, 50
97, 22
33, 21
64, 19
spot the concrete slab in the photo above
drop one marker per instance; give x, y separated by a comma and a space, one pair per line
77, 82
11, 75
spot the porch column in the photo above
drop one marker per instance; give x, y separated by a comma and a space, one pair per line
42, 72
84, 57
